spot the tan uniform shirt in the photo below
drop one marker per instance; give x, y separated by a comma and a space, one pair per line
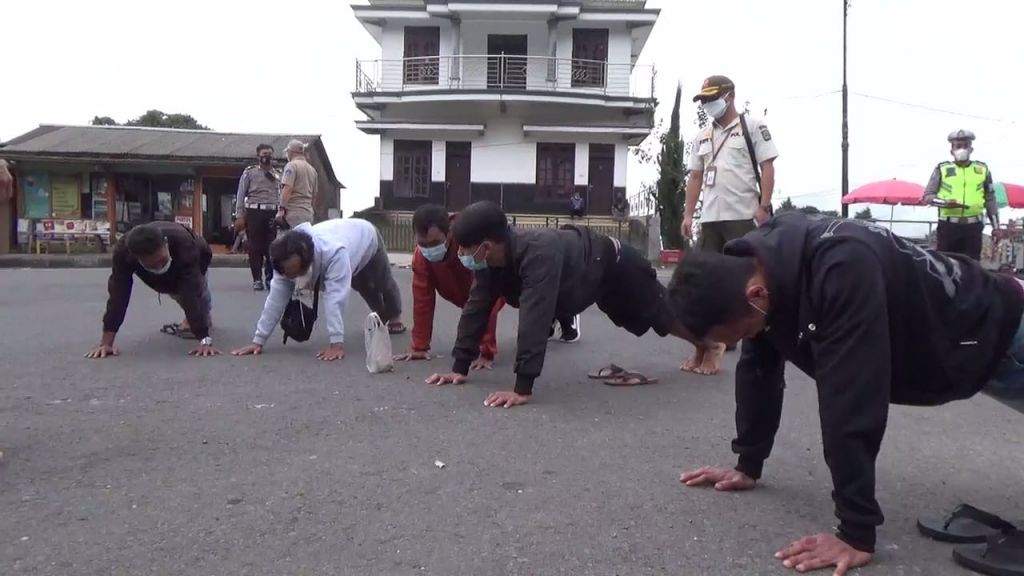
735, 194
302, 178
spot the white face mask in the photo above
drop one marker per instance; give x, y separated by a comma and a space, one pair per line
305, 280
162, 270
962, 154
714, 109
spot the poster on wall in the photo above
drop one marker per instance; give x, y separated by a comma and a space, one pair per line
184, 220
66, 196
98, 186
36, 188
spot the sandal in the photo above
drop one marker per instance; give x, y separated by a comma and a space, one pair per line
609, 371
400, 329
1001, 555
630, 379
177, 330
965, 525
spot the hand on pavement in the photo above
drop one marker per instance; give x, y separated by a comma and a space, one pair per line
413, 355
450, 378
724, 479
204, 351
332, 353
505, 400
250, 350
482, 363
102, 351
821, 551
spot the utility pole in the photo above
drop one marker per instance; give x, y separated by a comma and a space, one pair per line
846, 125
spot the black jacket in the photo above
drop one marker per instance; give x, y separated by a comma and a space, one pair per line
190, 258
874, 320
549, 273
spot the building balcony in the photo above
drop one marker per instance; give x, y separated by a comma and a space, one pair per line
506, 75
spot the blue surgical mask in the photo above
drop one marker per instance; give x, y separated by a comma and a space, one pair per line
434, 253
162, 270
715, 109
470, 261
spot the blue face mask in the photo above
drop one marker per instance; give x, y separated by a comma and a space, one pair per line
470, 262
434, 253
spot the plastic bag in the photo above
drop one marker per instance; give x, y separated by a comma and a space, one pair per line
378, 345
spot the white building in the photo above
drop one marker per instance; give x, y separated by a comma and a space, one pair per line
515, 101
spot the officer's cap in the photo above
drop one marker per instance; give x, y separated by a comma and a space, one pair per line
960, 136
713, 87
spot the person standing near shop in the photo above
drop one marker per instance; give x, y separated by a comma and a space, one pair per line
732, 164
6, 194
964, 188
255, 207
298, 187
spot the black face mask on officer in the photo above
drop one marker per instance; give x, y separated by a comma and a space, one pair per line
265, 159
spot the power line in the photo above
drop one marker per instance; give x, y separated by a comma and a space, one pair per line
931, 108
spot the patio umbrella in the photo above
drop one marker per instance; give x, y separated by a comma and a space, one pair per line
1011, 195
887, 192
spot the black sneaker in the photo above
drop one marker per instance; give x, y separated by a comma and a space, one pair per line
258, 286
571, 332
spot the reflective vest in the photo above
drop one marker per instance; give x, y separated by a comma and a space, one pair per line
964, 184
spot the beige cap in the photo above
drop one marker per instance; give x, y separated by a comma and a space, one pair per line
296, 147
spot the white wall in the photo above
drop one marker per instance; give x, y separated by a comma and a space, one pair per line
621, 160
502, 154
387, 158
582, 164
438, 161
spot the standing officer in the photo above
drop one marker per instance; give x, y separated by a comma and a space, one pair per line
298, 187
963, 187
255, 207
732, 163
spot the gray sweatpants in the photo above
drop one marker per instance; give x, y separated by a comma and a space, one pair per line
377, 286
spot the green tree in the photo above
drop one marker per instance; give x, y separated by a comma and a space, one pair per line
671, 178
155, 119
864, 214
787, 205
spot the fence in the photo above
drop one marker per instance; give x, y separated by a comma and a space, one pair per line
396, 228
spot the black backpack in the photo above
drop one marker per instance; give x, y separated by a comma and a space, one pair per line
298, 319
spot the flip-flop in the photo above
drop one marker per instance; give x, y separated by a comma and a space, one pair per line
964, 525
169, 329
401, 329
1001, 555
630, 379
609, 371
177, 330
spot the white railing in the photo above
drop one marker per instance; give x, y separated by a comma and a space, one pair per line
505, 73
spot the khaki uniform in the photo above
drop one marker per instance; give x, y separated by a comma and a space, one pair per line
731, 202
302, 178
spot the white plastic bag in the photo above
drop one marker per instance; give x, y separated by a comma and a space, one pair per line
378, 345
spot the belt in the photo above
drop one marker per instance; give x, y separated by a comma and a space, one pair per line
261, 206
961, 220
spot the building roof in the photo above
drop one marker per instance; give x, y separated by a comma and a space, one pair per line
111, 143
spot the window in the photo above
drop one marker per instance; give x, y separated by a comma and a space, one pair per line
412, 168
589, 57
556, 166
422, 47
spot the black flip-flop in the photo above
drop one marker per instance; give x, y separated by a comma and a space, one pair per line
1001, 555
401, 329
177, 330
630, 379
609, 371
964, 525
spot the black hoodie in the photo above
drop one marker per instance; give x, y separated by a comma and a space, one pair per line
874, 319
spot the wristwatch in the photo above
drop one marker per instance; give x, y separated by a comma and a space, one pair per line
206, 341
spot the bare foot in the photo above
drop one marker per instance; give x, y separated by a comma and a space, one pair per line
693, 362
712, 360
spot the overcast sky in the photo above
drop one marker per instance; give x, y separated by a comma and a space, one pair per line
260, 66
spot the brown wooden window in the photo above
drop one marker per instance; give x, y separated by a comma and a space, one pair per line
412, 168
589, 57
556, 166
422, 48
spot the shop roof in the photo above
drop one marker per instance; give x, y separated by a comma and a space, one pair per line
112, 143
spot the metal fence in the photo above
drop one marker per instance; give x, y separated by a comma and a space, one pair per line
506, 73
396, 228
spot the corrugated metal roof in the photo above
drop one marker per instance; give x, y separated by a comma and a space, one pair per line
156, 144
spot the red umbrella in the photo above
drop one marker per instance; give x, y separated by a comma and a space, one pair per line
887, 192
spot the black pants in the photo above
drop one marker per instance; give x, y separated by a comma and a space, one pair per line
259, 227
715, 235
960, 238
631, 294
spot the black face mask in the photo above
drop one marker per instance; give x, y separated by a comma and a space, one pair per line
265, 160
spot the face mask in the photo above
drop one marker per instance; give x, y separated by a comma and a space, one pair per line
962, 154
470, 262
434, 253
265, 160
162, 270
714, 109
305, 280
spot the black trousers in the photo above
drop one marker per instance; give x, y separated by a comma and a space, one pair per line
715, 235
259, 227
960, 238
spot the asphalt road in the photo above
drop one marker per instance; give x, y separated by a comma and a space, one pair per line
157, 463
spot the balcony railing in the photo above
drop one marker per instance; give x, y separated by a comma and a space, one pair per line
505, 73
